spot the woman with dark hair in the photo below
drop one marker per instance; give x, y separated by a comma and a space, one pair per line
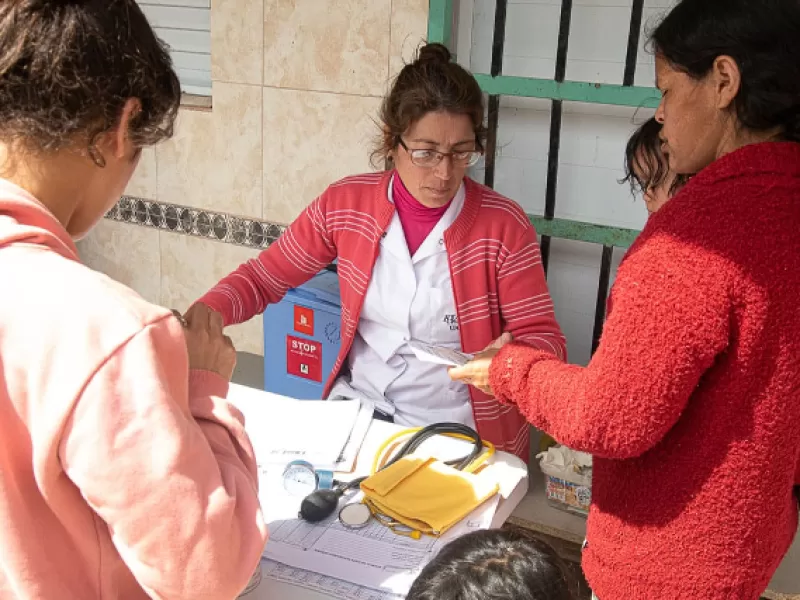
495, 564
690, 404
124, 473
424, 253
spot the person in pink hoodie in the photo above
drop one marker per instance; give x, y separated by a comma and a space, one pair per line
124, 472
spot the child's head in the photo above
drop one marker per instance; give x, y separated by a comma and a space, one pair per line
495, 564
647, 168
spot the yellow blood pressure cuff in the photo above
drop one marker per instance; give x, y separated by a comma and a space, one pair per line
425, 494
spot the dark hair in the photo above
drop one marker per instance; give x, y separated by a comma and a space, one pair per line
432, 82
495, 564
67, 67
761, 36
646, 166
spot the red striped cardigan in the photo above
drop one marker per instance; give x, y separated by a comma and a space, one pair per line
495, 266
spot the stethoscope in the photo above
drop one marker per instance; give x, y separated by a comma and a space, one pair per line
323, 501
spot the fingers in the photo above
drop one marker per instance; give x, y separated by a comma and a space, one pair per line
208, 347
459, 373
200, 317
180, 318
504, 339
215, 322
198, 313
230, 350
476, 371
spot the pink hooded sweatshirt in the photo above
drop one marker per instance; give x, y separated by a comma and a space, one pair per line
123, 475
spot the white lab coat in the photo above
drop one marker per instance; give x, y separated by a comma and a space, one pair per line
408, 298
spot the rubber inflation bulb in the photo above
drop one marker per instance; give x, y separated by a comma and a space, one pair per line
320, 505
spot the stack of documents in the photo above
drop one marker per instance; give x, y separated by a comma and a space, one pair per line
327, 434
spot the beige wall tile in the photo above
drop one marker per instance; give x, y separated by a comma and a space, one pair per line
237, 41
190, 266
409, 31
144, 183
312, 139
327, 45
214, 160
127, 253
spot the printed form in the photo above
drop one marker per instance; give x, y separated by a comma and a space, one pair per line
373, 557
330, 586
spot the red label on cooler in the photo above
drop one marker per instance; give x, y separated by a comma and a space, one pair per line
304, 358
304, 320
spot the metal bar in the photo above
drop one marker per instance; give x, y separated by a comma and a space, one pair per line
440, 21
552, 176
581, 231
571, 91
490, 155
555, 126
605, 263
602, 295
498, 43
498, 37
633, 42
563, 40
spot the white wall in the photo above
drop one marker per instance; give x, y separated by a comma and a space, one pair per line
593, 137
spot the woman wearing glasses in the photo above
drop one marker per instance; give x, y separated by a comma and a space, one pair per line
424, 253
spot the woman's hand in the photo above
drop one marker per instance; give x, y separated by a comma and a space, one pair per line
476, 371
500, 342
209, 349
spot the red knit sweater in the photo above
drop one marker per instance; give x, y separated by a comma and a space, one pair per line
495, 268
691, 404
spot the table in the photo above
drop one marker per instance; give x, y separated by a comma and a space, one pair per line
513, 483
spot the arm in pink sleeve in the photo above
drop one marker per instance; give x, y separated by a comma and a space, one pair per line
163, 459
670, 321
525, 304
301, 252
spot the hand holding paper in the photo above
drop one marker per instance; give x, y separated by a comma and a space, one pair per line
438, 354
476, 371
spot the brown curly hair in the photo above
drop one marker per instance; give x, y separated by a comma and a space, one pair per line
430, 83
67, 68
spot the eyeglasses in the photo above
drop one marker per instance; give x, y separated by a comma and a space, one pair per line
430, 158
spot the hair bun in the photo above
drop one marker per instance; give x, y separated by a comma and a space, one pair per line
433, 54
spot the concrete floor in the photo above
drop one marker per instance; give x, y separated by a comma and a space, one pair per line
249, 370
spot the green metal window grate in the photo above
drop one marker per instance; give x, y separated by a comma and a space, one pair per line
557, 90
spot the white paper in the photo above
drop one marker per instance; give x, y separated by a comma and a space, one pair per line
566, 463
330, 586
316, 431
374, 556
438, 354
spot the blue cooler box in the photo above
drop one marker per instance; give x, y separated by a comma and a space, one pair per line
302, 337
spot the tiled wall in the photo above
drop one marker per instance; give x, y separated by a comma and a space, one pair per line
296, 87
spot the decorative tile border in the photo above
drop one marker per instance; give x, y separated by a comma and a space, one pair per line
209, 224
